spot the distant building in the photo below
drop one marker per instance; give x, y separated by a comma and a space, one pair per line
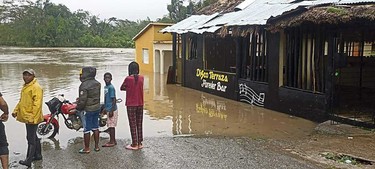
153, 49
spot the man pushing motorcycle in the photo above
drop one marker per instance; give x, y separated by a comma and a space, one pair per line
89, 103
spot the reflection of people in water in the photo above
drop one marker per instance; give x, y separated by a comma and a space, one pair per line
54, 145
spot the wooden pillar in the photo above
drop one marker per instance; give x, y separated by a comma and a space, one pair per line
329, 83
238, 56
174, 56
183, 61
273, 48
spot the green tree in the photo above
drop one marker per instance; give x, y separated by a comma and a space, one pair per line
177, 10
42, 23
165, 19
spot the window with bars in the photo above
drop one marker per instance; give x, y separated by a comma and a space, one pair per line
305, 60
192, 48
220, 53
257, 61
354, 49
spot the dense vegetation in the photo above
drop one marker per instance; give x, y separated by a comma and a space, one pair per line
178, 11
45, 24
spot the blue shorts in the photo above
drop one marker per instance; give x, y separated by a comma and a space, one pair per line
92, 121
81, 116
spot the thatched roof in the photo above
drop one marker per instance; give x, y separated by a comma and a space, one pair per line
330, 15
220, 6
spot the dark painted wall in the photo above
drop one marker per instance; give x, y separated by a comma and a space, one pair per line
270, 95
273, 41
217, 83
302, 104
196, 77
253, 93
287, 100
190, 66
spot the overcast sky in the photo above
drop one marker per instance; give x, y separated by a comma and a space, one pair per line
121, 9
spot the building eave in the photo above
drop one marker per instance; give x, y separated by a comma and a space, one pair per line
140, 33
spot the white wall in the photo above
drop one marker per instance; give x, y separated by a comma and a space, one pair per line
162, 57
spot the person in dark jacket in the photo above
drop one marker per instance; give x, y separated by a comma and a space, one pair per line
89, 103
4, 151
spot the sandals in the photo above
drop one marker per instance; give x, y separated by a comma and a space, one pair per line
83, 151
130, 147
97, 149
108, 145
140, 146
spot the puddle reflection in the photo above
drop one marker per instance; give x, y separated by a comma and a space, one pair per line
51, 144
196, 113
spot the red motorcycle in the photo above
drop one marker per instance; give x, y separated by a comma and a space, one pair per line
72, 118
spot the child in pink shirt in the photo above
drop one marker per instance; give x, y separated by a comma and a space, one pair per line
133, 85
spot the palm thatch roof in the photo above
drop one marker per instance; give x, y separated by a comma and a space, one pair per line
220, 6
330, 15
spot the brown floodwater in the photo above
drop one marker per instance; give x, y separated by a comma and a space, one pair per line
170, 110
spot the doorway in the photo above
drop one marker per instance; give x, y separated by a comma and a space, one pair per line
354, 81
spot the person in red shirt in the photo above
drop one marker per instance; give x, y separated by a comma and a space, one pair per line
133, 85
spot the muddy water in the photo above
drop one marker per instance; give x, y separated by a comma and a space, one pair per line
170, 110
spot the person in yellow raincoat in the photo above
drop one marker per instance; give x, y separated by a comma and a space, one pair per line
29, 111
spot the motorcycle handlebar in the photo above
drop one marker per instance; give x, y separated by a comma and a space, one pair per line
119, 100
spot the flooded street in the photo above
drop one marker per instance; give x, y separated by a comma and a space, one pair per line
170, 110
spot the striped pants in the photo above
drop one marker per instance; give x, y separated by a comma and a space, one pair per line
135, 116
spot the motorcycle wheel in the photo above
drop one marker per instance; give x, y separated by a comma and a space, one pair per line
46, 131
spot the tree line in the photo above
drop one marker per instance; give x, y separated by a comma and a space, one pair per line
45, 24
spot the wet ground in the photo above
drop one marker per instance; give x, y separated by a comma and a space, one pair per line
174, 152
183, 128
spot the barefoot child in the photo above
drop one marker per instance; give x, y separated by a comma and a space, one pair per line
110, 109
133, 85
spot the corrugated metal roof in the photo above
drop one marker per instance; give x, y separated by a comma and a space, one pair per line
256, 13
192, 24
343, 1
203, 30
244, 4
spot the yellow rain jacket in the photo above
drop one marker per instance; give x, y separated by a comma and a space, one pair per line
29, 108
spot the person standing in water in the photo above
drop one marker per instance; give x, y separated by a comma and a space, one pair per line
133, 85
